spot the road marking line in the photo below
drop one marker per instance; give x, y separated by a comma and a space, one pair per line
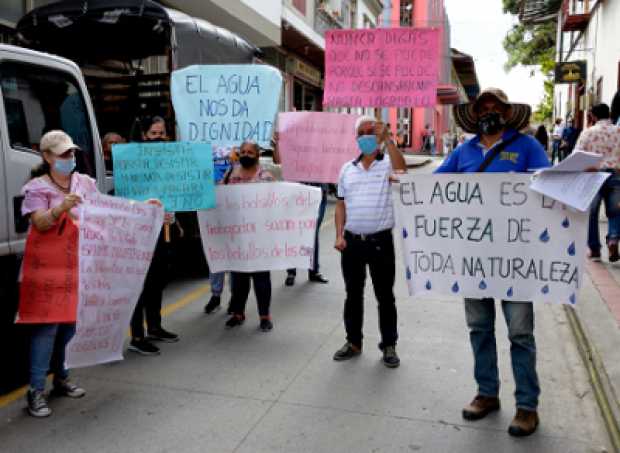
168, 310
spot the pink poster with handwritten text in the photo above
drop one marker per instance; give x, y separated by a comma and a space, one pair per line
315, 145
116, 244
381, 67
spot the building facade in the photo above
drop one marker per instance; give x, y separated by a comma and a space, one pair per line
587, 32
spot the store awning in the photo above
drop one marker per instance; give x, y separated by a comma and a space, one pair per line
447, 94
87, 30
466, 70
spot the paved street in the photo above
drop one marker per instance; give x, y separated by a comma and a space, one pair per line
247, 391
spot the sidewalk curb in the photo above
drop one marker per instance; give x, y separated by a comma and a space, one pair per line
599, 380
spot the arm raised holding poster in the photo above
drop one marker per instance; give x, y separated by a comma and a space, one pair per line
364, 222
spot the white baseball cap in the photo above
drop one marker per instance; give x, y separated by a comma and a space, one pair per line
57, 142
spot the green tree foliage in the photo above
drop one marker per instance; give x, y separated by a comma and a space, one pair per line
533, 45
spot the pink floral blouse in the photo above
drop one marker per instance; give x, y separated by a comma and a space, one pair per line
603, 138
39, 193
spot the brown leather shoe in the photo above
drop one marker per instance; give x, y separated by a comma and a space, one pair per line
524, 423
480, 407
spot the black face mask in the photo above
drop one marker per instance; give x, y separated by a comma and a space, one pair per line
490, 124
247, 161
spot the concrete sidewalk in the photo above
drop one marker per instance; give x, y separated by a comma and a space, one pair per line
247, 391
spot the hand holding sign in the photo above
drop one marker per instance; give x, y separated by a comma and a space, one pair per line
226, 104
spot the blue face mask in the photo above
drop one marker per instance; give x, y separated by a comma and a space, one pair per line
367, 144
64, 166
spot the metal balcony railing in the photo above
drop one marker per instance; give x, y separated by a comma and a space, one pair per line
324, 21
575, 15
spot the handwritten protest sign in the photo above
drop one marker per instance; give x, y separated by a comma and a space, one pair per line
49, 287
117, 240
384, 67
488, 236
315, 145
226, 104
262, 226
179, 174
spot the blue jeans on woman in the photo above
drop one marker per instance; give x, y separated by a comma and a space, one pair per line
47, 352
480, 315
610, 194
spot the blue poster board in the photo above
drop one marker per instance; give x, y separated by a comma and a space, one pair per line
226, 104
179, 174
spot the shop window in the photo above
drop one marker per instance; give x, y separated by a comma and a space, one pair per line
11, 11
37, 100
406, 13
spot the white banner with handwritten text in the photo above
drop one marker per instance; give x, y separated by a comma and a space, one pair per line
260, 227
488, 235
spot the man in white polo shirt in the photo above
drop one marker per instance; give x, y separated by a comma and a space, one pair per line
364, 222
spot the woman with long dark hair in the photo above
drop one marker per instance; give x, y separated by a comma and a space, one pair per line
150, 301
543, 137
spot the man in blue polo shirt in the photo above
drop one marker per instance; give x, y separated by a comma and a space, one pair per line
499, 147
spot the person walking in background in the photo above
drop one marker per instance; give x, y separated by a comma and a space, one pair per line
603, 138
150, 300
364, 221
55, 189
499, 147
249, 171
556, 139
543, 137
570, 134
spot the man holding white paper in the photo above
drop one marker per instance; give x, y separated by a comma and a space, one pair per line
604, 138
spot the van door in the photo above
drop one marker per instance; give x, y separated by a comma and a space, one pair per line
36, 98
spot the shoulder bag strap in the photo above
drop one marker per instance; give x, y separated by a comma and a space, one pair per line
491, 155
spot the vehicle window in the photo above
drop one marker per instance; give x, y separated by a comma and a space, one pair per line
37, 100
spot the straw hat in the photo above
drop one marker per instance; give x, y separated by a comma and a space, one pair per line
466, 115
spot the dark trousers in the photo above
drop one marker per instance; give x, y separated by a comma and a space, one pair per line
378, 254
241, 291
152, 293
319, 221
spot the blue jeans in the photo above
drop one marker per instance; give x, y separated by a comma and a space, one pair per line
47, 352
610, 194
319, 221
217, 283
480, 315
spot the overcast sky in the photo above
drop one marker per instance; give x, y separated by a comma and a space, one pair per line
478, 28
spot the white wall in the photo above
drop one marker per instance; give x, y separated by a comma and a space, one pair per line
600, 48
604, 39
269, 9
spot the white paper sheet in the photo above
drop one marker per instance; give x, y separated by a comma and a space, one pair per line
574, 189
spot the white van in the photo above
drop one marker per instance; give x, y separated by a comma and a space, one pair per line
38, 92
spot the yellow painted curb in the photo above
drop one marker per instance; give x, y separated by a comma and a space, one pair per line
169, 309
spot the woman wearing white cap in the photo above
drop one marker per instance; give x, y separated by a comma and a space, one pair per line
55, 188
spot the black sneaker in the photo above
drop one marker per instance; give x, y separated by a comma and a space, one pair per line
142, 346
317, 277
390, 358
213, 305
163, 335
290, 280
235, 321
348, 351
64, 387
37, 404
595, 256
266, 325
